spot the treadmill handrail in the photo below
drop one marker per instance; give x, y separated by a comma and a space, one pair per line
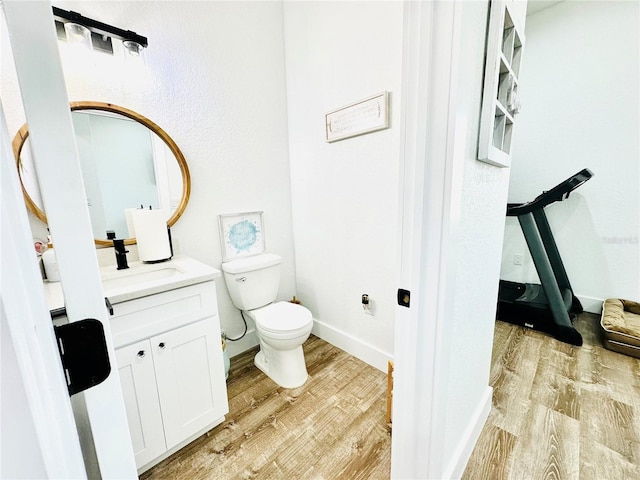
556, 194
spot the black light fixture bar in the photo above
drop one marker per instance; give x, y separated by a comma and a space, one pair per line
99, 27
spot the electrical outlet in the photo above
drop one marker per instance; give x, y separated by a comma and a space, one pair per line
518, 259
367, 304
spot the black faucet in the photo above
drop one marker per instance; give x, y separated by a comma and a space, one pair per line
120, 249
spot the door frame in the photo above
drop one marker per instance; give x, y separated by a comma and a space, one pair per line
429, 200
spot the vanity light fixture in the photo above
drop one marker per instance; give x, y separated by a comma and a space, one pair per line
133, 48
78, 34
98, 33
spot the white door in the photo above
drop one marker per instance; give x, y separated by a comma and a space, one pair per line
138, 380
35, 50
186, 373
38, 432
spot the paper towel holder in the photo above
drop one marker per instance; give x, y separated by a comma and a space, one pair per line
170, 250
152, 234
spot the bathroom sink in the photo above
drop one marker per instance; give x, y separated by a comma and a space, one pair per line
142, 279
132, 277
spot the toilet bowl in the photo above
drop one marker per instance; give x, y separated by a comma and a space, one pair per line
282, 328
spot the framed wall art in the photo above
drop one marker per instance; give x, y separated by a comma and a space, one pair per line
241, 234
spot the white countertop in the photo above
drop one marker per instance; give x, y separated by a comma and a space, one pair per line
140, 280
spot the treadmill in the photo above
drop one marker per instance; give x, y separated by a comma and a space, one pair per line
551, 306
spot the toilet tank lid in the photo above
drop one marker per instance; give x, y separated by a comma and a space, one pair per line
254, 262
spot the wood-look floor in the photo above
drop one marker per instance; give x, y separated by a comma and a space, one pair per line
559, 412
333, 427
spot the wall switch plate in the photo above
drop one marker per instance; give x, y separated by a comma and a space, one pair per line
518, 259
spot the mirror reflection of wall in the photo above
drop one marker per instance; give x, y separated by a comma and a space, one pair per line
115, 152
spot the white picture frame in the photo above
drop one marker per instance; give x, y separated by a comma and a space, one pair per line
241, 235
500, 99
364, 116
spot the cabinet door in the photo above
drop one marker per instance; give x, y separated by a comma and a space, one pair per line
190, 378
137, 377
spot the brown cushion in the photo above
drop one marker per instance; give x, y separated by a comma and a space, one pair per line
621, 316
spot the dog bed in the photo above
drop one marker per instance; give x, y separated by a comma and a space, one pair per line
620, 325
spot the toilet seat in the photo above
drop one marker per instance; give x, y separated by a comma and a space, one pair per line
282, 317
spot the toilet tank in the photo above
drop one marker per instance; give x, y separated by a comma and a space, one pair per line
253, 282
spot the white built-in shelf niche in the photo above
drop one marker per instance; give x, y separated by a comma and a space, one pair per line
500, 102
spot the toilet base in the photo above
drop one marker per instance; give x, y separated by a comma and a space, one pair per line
287, 368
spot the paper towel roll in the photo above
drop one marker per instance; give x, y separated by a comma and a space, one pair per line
128, 215
151, 234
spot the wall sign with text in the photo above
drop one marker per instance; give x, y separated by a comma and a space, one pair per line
365, 116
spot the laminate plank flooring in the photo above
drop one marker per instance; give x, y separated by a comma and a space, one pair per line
559, 412
333, 427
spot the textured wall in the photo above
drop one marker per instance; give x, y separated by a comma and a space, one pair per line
483, 195
213, 79
345, 193
580, 97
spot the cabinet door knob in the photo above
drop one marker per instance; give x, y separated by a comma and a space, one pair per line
161, 345
141, 353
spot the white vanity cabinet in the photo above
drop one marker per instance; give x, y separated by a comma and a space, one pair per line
169, 356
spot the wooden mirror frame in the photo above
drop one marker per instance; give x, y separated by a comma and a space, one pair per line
22, 135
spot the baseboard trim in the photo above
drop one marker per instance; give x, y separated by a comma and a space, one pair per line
470, 437
344, 341
352, 345
591, 304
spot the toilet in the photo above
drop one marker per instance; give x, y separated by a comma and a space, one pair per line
282, 327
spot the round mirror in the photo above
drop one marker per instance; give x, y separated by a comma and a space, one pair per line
127, 162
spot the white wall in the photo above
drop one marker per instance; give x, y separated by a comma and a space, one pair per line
478, 249
344, 194
580, 84
214, 80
